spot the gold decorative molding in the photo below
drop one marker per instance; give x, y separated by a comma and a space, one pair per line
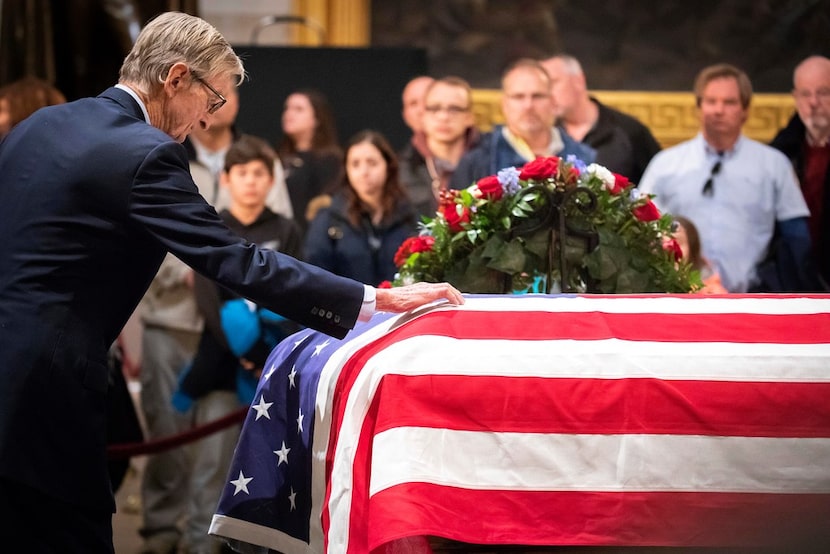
345, 23
671, 116
349, 23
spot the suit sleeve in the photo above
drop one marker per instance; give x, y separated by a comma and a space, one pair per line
165, 202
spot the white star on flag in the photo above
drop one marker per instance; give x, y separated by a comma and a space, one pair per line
291, 376
241, 483
268, 373
262, 408
319, 348
283, 454
300, 422
293, 499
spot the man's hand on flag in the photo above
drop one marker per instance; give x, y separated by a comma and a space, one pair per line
409, 297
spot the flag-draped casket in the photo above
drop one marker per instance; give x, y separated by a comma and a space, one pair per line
555, 420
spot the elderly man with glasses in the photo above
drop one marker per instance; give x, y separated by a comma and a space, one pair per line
806, 142
93, 193
739, 193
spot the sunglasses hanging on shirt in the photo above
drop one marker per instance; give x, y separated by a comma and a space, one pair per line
708, 186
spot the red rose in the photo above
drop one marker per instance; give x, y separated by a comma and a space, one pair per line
540, 168
412, 245
403, 252
385, 285
671, 245
423, 244
490, 187
647, 212
455, 214
620, 183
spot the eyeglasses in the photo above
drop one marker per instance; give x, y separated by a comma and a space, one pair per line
708, 188
822, 94
214, 106
451, 110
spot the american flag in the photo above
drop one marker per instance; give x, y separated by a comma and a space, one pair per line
544, 420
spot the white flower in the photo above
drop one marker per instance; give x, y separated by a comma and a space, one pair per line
603, 173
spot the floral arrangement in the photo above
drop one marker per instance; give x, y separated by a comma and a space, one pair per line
552, 225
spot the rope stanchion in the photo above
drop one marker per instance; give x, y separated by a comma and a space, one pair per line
127, 450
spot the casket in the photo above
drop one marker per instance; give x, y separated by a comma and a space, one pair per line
604, 420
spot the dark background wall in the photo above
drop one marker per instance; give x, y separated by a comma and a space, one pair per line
363, 85
622, 44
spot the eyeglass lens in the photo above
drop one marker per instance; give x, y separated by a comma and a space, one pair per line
452, 110
214, 106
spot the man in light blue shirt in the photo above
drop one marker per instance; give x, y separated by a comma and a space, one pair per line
737, 191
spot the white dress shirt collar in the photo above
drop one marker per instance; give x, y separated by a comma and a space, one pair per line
141, 105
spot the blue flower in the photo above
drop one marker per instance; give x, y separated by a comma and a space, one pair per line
509, 179
577, 163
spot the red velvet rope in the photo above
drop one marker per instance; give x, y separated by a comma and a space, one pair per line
126, 450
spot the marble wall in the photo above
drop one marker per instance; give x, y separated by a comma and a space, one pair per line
622, 44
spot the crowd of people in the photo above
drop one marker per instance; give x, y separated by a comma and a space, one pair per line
124, 214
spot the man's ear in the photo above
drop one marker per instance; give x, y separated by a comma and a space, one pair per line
178, 77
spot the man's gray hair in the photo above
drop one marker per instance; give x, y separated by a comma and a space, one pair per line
570, 63
174, 37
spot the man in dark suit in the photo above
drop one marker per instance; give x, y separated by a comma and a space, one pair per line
92, 195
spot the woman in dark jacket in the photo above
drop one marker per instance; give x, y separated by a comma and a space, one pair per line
309, 151
358, 234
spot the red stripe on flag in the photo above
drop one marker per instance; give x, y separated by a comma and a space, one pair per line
605, 406
599, 518
657, 327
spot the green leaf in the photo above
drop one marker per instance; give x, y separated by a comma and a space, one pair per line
630, 281
510, 259
471, 275
493, 247
538, 243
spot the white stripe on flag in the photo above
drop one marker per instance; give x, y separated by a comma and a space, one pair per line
607, 463
251, 533
689, 304
606, 359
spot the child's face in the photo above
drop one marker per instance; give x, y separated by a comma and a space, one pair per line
682, 240
366, 170
248, 184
